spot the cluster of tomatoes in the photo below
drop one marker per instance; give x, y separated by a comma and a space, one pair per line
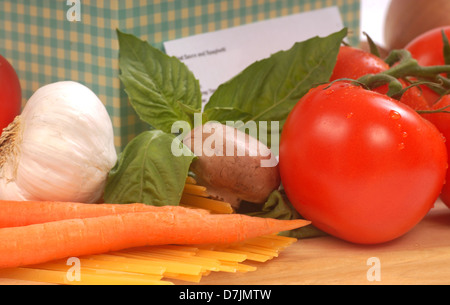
361, 165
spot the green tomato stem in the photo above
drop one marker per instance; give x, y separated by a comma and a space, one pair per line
403, 66
409, 67
440, 110
373, 81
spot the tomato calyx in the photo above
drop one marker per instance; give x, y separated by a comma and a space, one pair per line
372, 45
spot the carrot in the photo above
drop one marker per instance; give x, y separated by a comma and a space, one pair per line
39, 243
22, 213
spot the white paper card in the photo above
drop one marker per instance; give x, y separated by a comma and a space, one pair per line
215, 57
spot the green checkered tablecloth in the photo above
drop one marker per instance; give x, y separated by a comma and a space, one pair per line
37, 37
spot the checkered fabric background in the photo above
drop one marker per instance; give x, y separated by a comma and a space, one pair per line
44, 46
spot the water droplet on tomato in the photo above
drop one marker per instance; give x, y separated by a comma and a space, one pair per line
404, 134
401, 146
329, 91
349, 115
394, 115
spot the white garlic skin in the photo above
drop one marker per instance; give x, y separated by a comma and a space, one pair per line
66, 148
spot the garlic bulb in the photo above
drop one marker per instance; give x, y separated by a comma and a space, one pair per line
60, 148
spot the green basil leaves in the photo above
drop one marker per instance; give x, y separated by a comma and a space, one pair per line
147, 171
163, 91
268, 89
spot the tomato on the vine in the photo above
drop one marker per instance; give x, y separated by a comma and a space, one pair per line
414, 98
10, 94
427, 49
442, 121
353, 63
353, 161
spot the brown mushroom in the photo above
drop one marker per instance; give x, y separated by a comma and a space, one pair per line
232, 165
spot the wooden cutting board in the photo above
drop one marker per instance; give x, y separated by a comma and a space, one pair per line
422, 256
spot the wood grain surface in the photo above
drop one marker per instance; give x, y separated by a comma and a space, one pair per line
422, 257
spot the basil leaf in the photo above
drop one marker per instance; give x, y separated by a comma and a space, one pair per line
161, 89
147, 171
268, 89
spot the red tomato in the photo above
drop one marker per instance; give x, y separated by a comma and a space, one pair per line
427, 49
442, 121
10, 94
354, 162
353, 63
414, 98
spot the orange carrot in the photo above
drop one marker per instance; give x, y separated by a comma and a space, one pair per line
39, 243
22, 213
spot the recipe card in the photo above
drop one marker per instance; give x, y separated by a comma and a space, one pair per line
215, 57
